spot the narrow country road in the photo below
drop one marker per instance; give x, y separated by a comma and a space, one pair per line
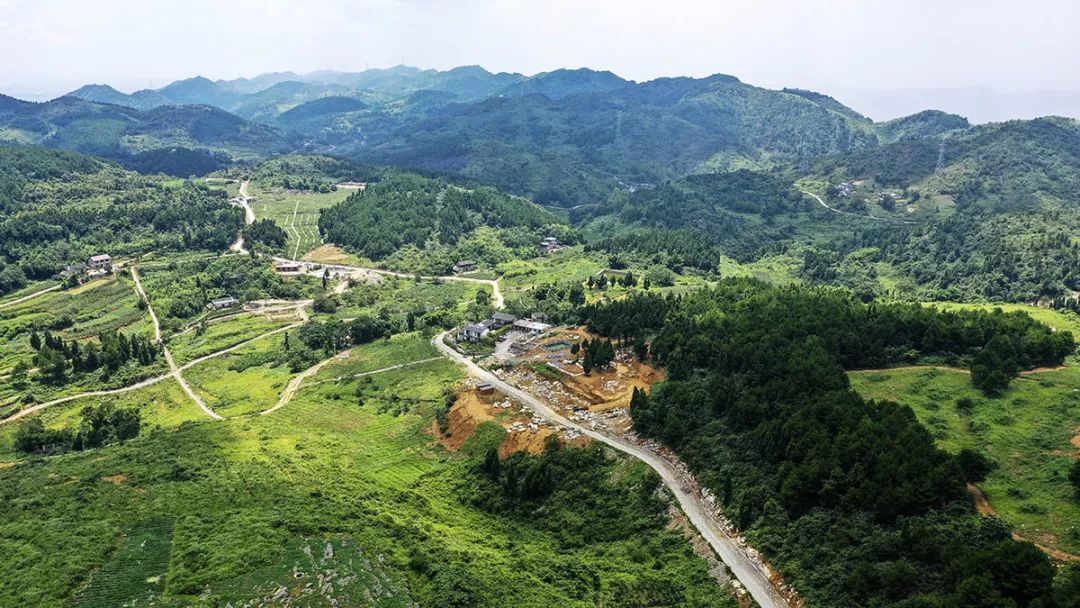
249, 216
753, 578
147, 382
294, 384
822, 202
496, 292
175, 371
31, 296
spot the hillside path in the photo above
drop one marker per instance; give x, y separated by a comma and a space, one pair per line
822, 202
174, 369
249, 216
31, 296
756, 581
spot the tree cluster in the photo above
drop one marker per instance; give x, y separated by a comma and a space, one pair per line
55, 357
100, 425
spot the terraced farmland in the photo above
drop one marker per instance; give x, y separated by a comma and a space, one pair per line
296, 212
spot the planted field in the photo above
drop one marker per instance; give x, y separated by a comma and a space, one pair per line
163, 404
1029, 432
135, 574
245, 381
296, 212
87, 310
219, 336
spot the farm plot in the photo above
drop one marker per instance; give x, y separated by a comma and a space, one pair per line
163, 404
219, 336
296, 212
135, 575
245, 381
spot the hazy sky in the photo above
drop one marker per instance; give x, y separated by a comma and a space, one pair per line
50, 46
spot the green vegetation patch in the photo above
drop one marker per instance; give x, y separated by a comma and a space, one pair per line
1026, 431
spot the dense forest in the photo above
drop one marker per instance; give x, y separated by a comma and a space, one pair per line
405, 210
758, 404
58, 208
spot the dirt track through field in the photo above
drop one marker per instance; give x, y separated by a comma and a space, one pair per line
31, 296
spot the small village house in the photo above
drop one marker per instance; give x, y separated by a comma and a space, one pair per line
473, 332
501, 319
99, 263
465, 266
286, 267
533, 328
220, 303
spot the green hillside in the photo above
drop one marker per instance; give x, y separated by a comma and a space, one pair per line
58, 208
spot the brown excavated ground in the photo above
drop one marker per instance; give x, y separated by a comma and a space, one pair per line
472, 409
604, 390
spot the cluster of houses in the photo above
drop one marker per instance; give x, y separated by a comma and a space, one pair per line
550, 245
96, 266
535, 325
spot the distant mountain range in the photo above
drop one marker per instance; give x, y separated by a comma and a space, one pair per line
565, 137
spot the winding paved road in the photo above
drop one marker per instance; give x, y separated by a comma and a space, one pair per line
753, 578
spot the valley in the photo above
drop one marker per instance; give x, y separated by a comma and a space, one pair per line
426, 338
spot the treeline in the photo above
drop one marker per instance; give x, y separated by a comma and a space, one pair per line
672, 248
320, 339
405, 209
57, 208
759, 406
100, 425
56, 357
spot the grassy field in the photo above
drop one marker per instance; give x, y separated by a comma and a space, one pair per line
1061, 320
245, 381
296, 212
218, 336
344, 485
163, 404
1027, 431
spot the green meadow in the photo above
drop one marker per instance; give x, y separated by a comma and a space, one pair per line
1026, 431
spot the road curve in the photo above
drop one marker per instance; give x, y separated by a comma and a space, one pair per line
756, 581
822, 202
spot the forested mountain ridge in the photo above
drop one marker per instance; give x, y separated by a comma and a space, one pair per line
115, 131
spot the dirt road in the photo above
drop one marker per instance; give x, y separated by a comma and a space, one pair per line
174, 370
249, 217
753, 577
862, 215
31, 296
